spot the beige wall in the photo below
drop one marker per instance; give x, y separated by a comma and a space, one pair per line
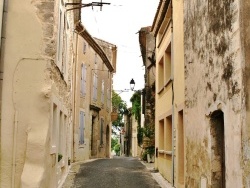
31, 132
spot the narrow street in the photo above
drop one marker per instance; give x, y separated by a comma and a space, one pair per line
119, 172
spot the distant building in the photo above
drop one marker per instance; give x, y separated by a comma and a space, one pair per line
96, 62
36, 59
167, 28
216, 118
135, 150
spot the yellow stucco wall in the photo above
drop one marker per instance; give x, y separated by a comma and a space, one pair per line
170, 99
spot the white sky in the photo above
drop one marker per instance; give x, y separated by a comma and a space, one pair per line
118, 24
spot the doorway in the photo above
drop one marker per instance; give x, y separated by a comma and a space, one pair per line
218, 168
107, 142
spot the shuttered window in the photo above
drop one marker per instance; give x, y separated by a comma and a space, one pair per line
95, 81
81, 127
102, 97
101, 139
83, 80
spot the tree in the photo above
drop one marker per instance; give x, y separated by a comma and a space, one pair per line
117, 149
114, 141
136, 111
120, 107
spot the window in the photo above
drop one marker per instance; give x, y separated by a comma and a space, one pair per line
95, 82
101, 139
167, 64
84, 47
102, 96
60, 44
81, 128
168, 139
161, 135
180, 148
54, 128
164, 69
64, 47
95, 58
61, 134
83, 80
161, 74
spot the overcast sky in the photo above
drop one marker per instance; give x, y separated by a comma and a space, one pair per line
118, 24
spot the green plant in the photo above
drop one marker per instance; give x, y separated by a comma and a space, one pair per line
117, 149
136, 106
60, 156
150, 150
144, 156
149, 131
114, 141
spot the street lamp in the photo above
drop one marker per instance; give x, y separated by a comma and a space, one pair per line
132, 84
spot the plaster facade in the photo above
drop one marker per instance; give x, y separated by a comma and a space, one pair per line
96, 60
216, 114
167, 27
36, 57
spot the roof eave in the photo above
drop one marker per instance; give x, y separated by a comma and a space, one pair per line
85, 34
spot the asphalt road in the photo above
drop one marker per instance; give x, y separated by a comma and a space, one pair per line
119, 172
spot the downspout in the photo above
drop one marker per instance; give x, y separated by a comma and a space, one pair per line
173, 108
1, 20
74, 99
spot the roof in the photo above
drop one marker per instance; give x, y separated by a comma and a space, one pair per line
85, 34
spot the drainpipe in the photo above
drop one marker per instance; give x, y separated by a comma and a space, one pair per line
1, 20
173, 108
74, 98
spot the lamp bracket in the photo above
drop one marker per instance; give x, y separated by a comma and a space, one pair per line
82, 5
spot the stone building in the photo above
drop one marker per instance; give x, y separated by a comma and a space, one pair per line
96, 62
167, 28
36, 60
147, 46
216, 118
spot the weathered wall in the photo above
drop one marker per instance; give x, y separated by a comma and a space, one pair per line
245, 42
213, 81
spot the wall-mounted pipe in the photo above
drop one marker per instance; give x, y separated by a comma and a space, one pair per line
2, 4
